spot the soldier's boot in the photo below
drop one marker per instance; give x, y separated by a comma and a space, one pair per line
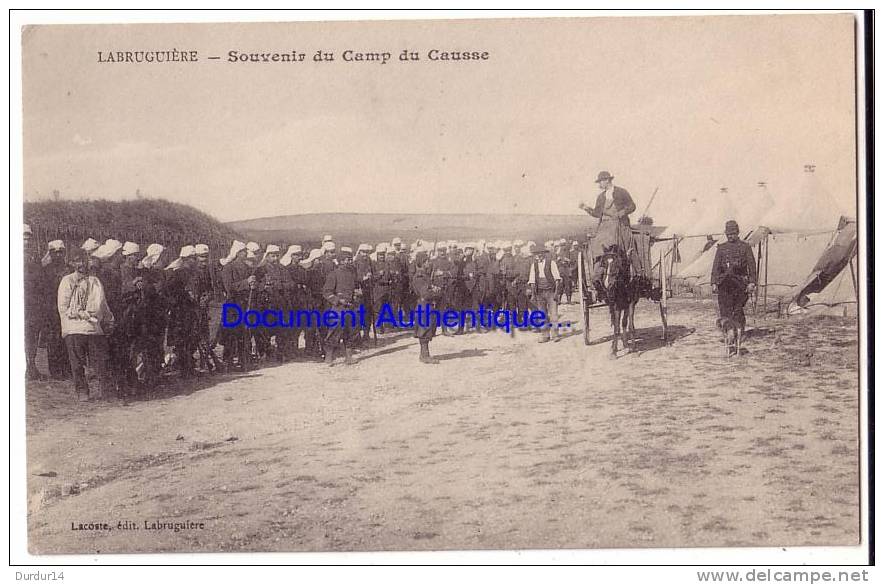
544, 336
426, 358
348, 356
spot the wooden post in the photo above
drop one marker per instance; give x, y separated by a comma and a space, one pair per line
766, 259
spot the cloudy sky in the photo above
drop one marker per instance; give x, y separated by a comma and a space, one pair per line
686, 104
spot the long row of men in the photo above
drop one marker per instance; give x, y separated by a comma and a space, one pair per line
132, 318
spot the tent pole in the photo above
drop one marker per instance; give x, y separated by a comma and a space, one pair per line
757, 274
766, 259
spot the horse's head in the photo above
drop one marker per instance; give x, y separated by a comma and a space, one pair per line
614, 264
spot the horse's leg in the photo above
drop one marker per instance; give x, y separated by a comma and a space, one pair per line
632, 322
663, 319
615, 319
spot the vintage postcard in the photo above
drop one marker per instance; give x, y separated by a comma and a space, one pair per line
419, 285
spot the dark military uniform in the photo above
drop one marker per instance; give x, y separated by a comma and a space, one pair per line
277, 296
384, 277
339, 292
732, 270
144, 325
299, 301
509, 275
563, 261
202, 291
427, 292
364, 282
182, 333
56, 350
444, 276
489, 266
235, 278
40, 304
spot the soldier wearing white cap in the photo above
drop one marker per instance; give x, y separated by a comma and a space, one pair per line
562, 257
54, 268
202, 289
129, 269
292, 255
299, 296
327, 238
314, 275
152, 257
89, 245
469, 280
489, 266
385, 270
512, 289
183, 310
445, 277
239, 288
364, 281
253, 253
341, 294
39, 305
277, 295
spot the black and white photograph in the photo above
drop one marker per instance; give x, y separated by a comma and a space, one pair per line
473, 284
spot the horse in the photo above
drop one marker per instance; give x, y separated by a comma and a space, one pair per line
621, 290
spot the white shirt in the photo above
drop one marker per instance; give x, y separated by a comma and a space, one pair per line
82, 305
541, 266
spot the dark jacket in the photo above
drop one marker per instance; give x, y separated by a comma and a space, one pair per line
623, 203
734, 259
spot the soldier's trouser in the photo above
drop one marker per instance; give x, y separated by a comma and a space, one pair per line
732, 298
566, 287
381, 295
32, 337
95, 349
56, 351
546, 302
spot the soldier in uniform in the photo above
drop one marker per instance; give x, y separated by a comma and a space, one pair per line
509, 276
341, 293
427, 293
563, 261
239, 287
277, 295
444, 276
383, 281
202, 290
39, 305
364, 278
129, 267
523, 270
183, 308
489, 268
54, 269
733, 275
291, 261
313, 342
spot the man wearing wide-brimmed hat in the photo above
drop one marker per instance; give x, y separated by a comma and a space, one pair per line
733, 274
612, 208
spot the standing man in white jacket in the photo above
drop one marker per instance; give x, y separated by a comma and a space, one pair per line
86, 321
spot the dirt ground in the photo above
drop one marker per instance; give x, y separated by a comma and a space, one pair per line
505, 444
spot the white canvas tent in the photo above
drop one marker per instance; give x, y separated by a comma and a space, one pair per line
798, 229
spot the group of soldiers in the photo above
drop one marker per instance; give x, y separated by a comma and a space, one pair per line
133, 316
